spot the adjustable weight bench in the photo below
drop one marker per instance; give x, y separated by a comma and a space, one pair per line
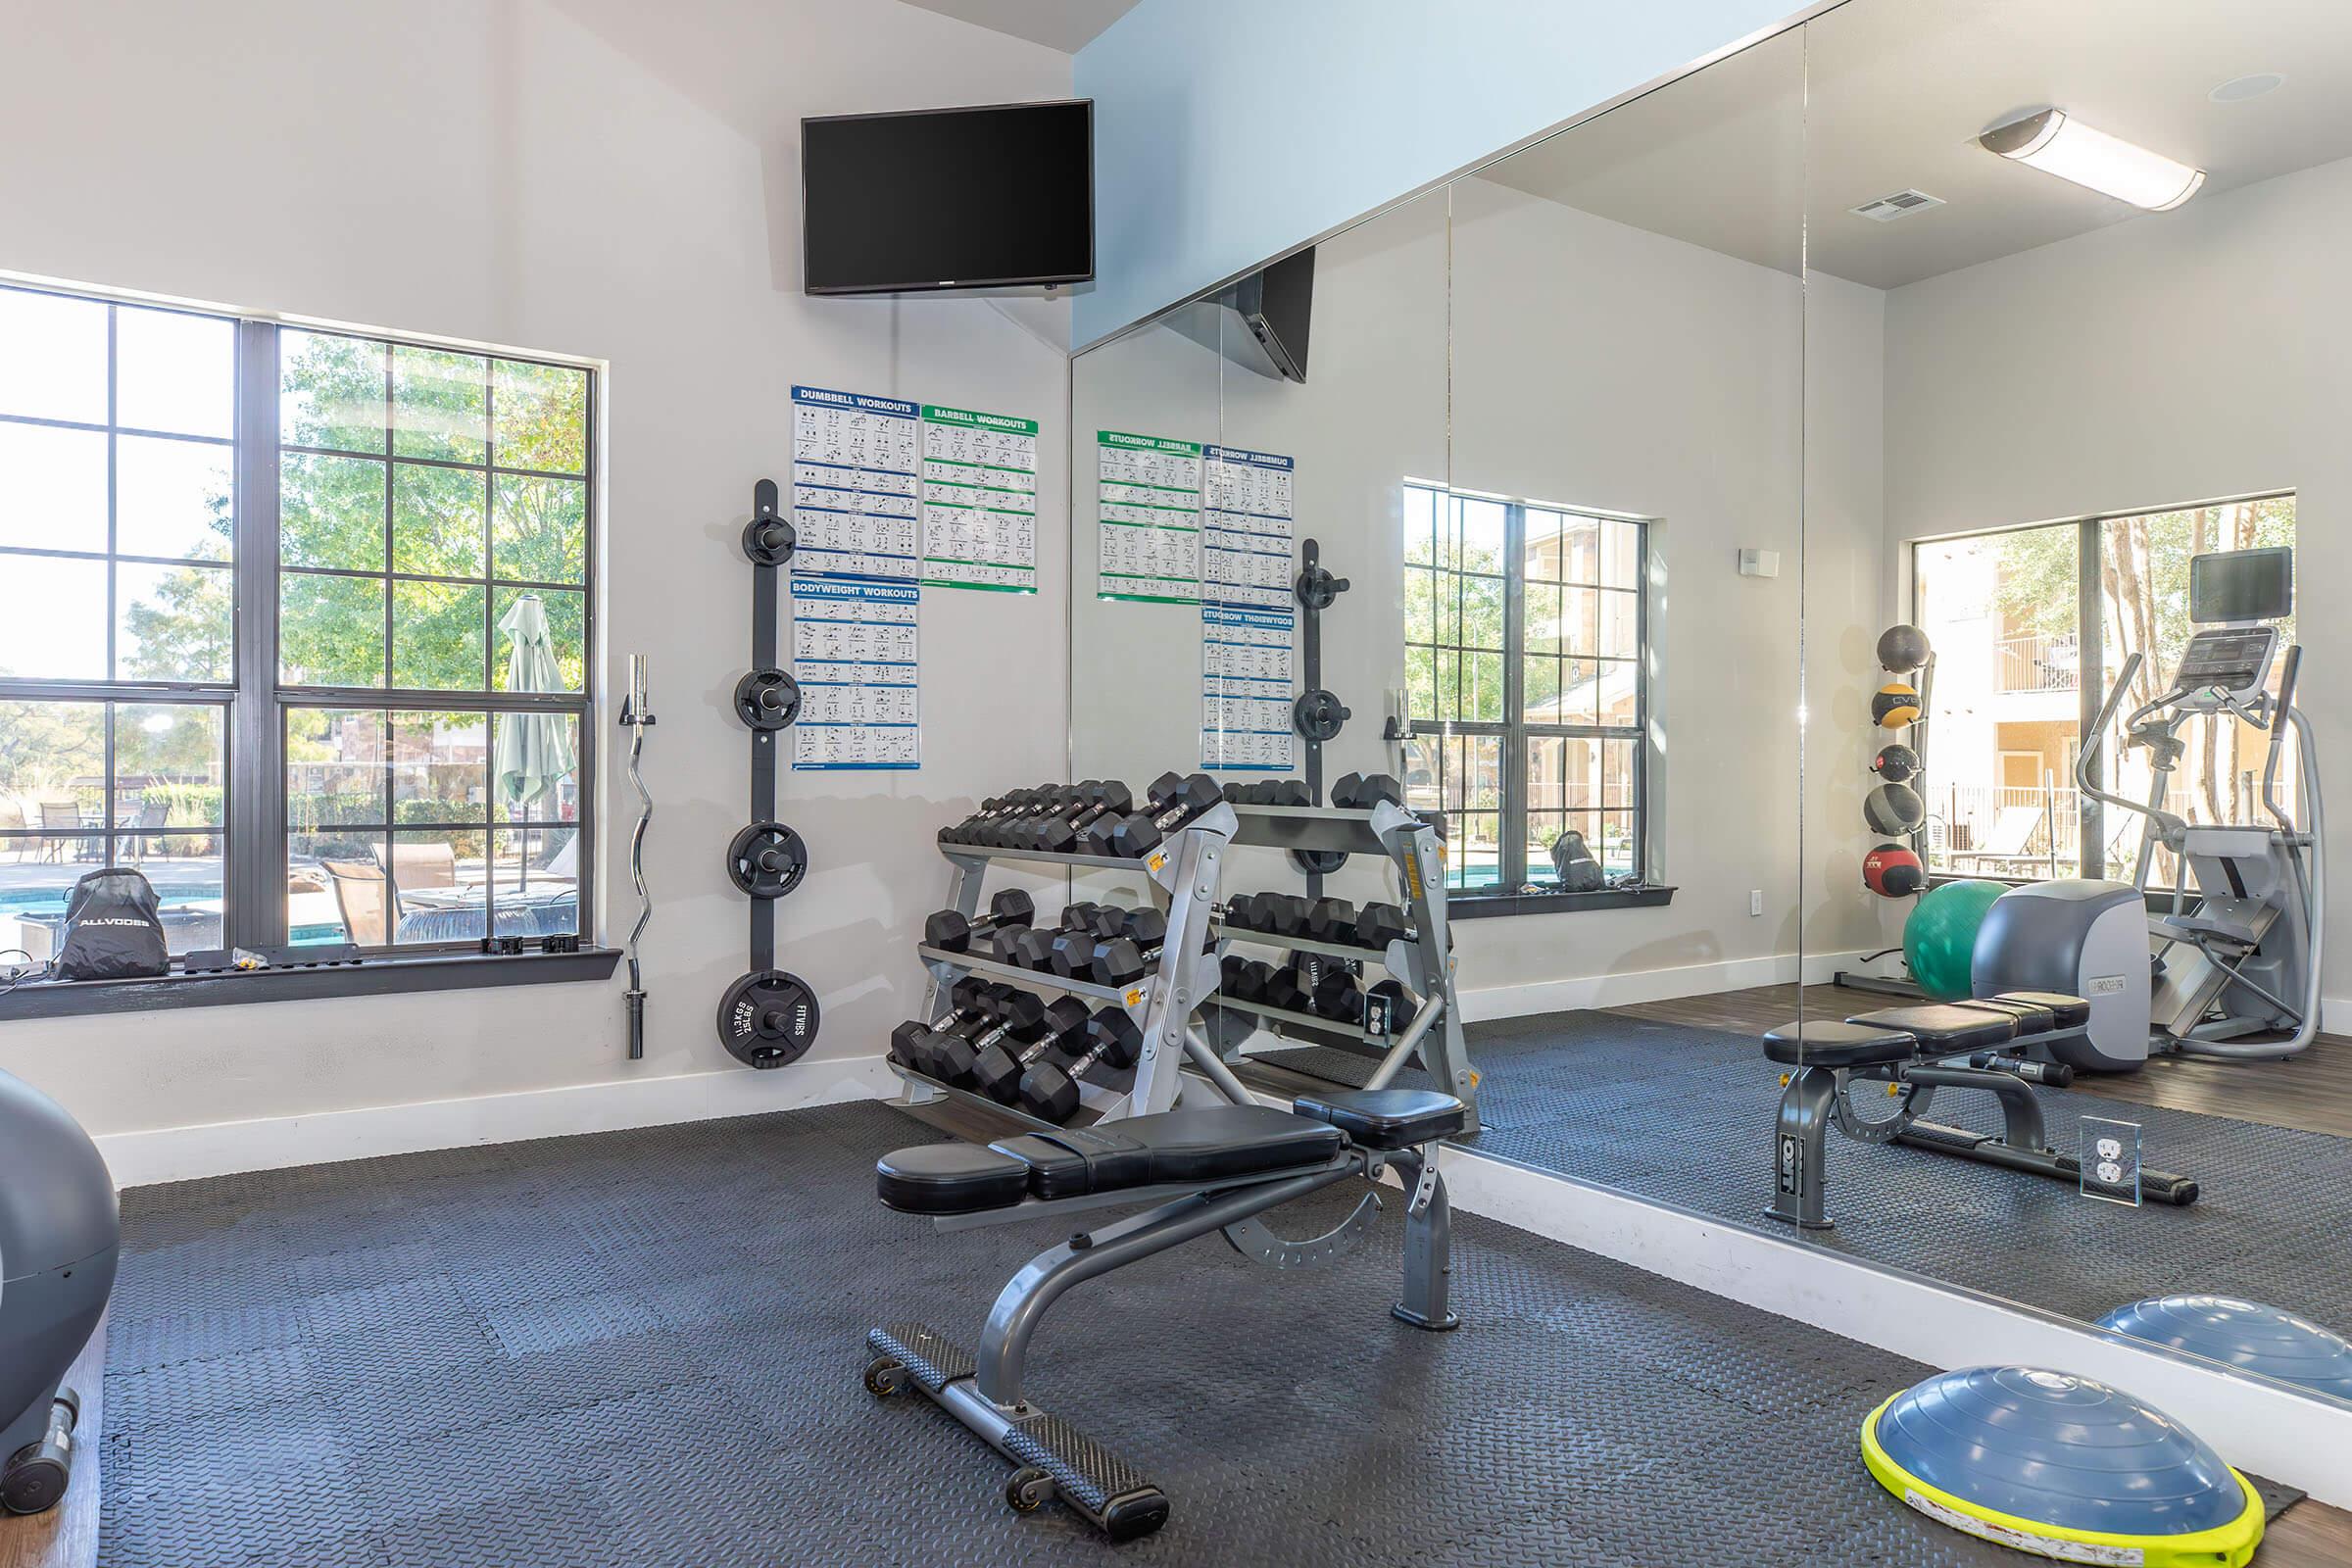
1984, 1044
1218, 1167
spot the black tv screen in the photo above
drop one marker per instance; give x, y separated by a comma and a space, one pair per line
948, 198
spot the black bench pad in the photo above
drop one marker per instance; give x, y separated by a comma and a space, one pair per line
2068, 1013
1388, 1119
949, 1179
1822, 1043
1943, 1029
1210, 1143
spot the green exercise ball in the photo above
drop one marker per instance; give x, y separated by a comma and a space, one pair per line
1940, 938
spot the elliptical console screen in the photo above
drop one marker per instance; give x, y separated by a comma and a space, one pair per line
2241, 585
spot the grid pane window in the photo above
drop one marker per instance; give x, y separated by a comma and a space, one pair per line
389, 836
1524, 669
419, 724
88, 785
422, 494
118, 494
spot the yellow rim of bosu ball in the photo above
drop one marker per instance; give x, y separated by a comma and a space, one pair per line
1903, 711
2229, 1545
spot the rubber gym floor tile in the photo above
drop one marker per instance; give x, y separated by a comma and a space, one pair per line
705, 1410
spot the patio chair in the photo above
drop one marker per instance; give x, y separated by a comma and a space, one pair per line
61, 826
421, 865
363, 895
151, 814
2005, 844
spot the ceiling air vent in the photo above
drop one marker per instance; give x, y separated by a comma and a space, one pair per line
1887, 209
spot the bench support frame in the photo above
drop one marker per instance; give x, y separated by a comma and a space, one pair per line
1814, 1097
983, 1390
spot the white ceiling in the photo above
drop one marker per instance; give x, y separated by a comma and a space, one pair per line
1884, 95
1065, 25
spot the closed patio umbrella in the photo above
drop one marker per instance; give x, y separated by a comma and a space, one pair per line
534, 751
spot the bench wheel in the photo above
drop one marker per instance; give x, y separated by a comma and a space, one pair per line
883, 1377
1027, 1489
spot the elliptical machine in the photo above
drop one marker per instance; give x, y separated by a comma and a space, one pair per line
59, 1231
2236, 954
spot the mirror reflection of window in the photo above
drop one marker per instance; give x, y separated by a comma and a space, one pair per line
1525, 682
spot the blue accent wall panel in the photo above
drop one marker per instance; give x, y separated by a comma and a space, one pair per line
1227, 130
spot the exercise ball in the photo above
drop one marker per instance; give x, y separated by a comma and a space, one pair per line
1895, 762
1939, 939
2059, 1465
1893, 871
1893, 808
1896, 705
1903, 649
2246, 1335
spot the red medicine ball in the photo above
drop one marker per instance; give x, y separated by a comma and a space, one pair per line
1893, 871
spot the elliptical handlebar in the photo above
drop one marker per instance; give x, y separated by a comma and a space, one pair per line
2282, 715
2098, 739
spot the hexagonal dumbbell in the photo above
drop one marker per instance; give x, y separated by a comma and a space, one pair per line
1112, 1042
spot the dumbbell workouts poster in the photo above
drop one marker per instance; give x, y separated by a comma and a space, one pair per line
1148, 516
979, 496
853, 489
1249, 643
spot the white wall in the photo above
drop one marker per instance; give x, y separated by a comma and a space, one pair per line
588, 177
2174, 358
1590, 363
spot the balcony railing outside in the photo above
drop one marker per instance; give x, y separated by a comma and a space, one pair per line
2038, 663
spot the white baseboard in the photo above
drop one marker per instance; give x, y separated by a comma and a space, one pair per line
1649, 985
273, 1142
2258, 1425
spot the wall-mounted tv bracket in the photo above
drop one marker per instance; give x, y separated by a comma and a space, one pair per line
770, 1016
1318, 715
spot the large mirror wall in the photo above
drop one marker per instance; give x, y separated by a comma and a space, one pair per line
1634, 447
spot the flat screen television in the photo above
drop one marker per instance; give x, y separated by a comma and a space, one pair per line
991, 197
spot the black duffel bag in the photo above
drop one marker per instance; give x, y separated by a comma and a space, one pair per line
114, 929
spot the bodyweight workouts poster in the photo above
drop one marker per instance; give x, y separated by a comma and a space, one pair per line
853, 654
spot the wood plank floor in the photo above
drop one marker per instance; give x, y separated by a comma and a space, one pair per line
66, 1535
2312, 1092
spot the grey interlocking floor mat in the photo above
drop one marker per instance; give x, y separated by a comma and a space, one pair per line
1686, 1115
643, 1348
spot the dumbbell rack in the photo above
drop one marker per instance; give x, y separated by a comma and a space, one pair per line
1422, 960
1184, 874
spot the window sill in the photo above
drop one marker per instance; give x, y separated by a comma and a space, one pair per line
376, 977
1491, 906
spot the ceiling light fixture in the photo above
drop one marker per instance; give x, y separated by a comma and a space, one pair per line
2237, 89
2057, 144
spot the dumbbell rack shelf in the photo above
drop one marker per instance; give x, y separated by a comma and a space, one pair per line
1183, 875
961, 963
1312, 1027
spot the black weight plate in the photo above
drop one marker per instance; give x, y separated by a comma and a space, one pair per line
774, 713
757, 880
767, 1019
756, 546
1318, 715
1321, 861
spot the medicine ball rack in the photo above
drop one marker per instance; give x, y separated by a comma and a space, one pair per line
768, 1017
1183, 875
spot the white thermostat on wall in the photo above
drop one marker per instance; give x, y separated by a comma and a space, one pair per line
1759, 562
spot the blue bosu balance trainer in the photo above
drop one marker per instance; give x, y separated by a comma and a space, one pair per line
2056, 1464
2246, 1335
